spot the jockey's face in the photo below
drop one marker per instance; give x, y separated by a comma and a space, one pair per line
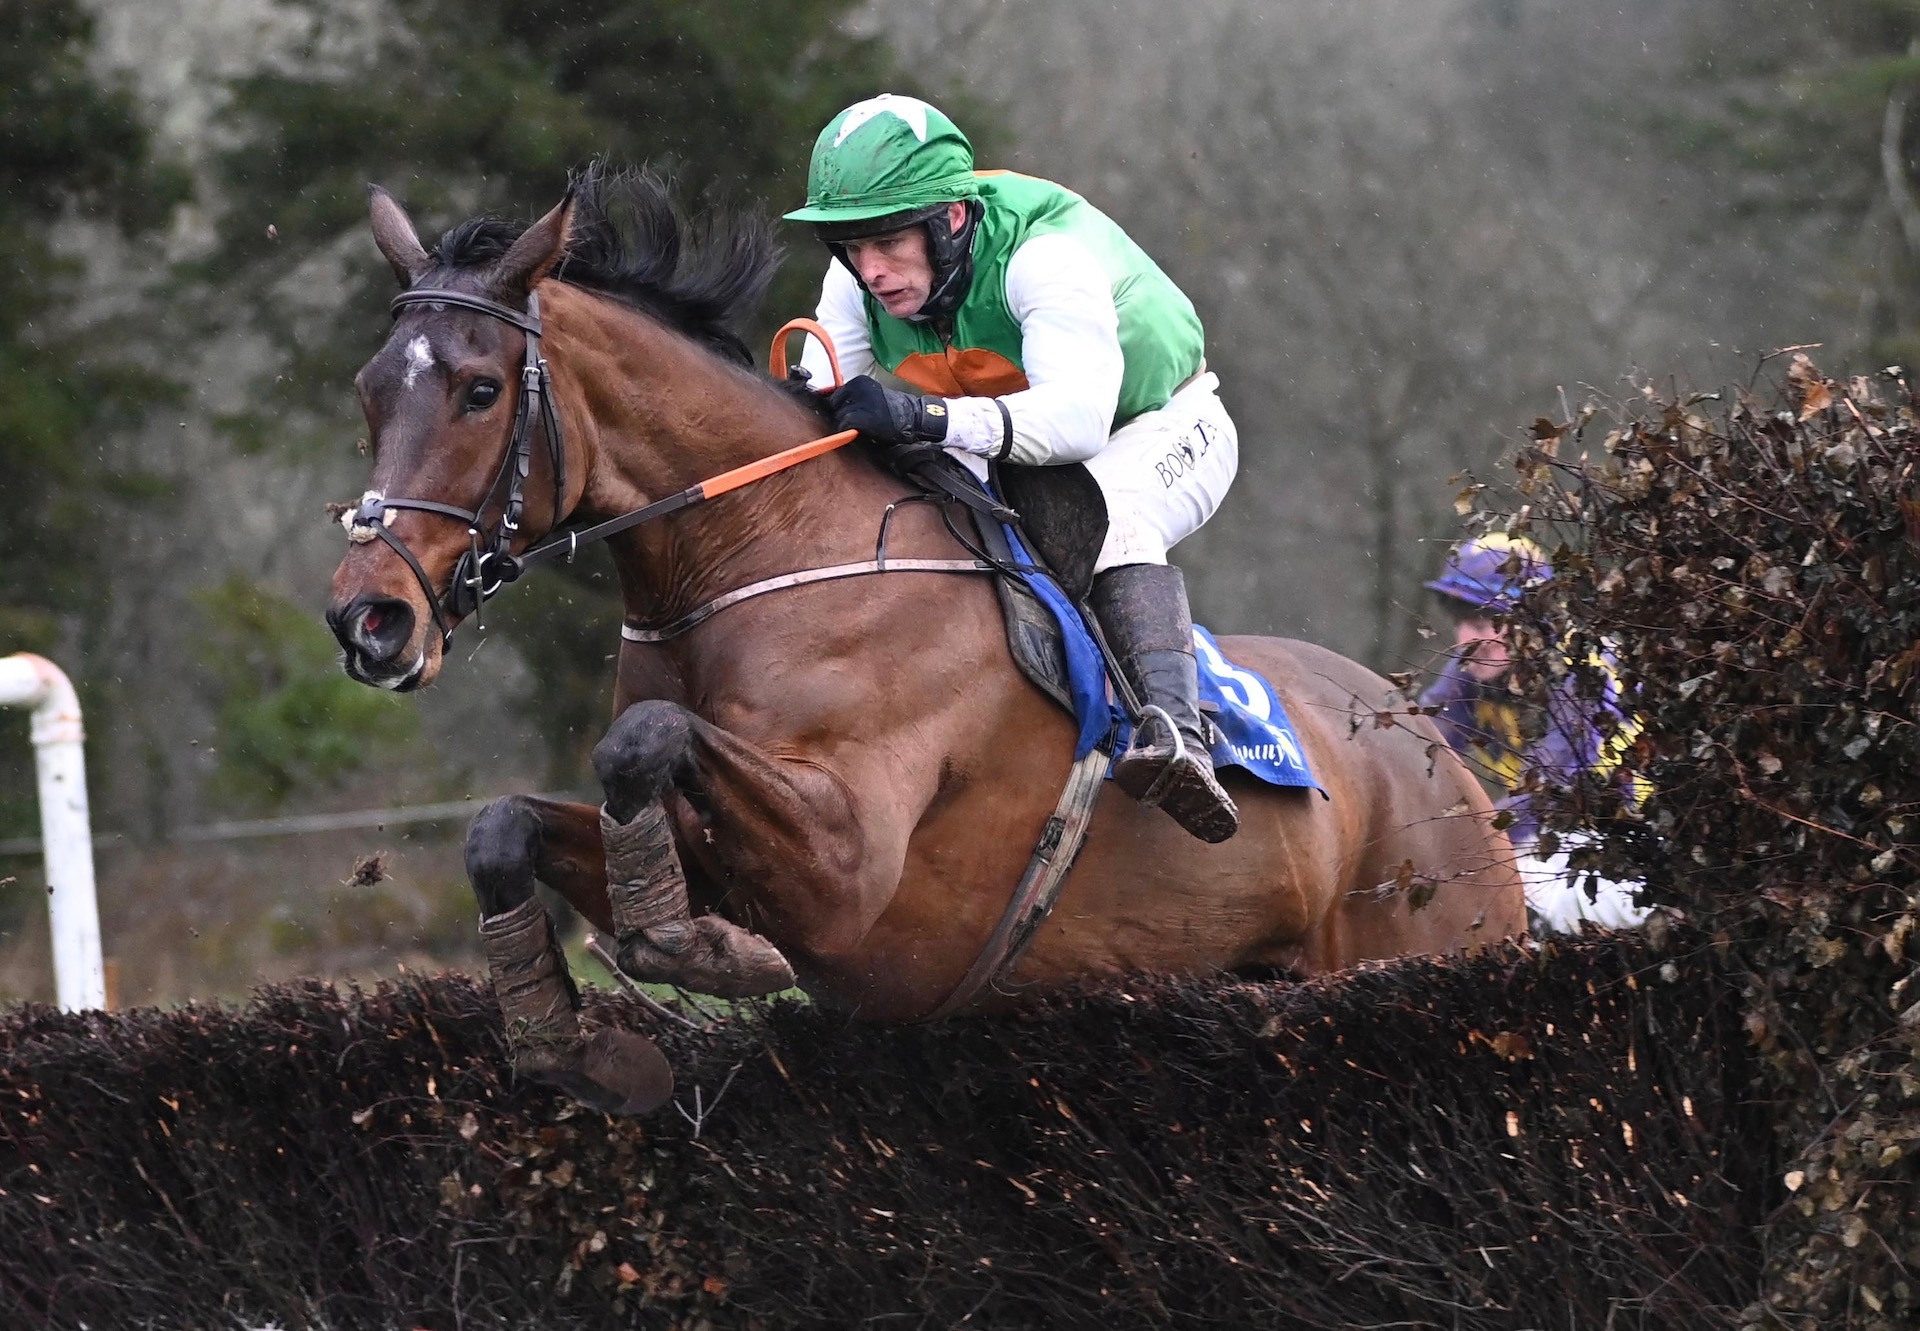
896, 266
1481, 647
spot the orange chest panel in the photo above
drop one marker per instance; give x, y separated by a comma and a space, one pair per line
973, 372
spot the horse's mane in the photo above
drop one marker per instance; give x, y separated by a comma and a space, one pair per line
631, 240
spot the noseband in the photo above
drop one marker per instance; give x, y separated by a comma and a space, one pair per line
488, 563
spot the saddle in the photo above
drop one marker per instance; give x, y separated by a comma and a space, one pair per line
1063, 518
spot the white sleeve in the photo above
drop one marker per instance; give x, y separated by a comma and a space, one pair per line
843, 313
1070, 349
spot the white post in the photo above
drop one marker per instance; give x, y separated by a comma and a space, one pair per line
66, 831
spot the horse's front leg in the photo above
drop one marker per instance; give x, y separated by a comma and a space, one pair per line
513, 840
644, 756
788, 831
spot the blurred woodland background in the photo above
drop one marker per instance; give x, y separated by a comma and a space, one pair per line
1410, 227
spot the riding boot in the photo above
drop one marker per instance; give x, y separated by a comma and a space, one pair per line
611, 1070
659, 939
1143, 612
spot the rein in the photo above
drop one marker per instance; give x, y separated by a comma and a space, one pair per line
489, 562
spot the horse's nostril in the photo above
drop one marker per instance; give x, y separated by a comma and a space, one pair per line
377, 630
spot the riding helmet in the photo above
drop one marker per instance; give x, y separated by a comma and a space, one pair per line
891, 162
1490, 573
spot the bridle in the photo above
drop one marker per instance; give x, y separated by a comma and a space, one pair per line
488, 563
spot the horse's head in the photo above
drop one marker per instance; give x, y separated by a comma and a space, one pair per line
466, 448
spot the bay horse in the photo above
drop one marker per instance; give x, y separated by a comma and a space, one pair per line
845, 777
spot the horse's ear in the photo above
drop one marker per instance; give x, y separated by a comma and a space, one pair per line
393, 232
533, 256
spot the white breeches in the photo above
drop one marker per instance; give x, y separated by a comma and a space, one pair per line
1558, 894
1163, 474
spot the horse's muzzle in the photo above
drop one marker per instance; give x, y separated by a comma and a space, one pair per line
375, 632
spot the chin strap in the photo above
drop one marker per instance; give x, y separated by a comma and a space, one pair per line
952, 257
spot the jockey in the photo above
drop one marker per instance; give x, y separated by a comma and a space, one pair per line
1479, 588
1032, 331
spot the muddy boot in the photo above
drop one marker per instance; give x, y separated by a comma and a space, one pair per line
659, 941
611, 1070
1143, 612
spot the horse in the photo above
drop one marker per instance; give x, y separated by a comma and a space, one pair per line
842, 780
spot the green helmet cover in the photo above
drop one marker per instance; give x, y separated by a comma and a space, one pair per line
886, 155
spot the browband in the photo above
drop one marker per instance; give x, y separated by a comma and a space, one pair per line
529, 323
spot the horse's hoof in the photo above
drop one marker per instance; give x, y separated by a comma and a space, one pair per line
611, 1071
717, 957
1187, 790
631, 1073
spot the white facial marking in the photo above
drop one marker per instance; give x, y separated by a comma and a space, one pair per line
910, 109
419, 358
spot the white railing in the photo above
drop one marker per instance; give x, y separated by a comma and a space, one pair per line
33, 681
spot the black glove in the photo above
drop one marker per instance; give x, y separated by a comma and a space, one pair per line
892, 419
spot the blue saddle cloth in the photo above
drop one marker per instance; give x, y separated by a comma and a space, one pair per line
1251, 729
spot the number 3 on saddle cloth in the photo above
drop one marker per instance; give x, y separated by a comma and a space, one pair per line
1054, 648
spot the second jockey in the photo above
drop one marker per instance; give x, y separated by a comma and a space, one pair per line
1033, 332
1479, 589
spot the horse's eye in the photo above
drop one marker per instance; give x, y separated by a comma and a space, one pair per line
481, 394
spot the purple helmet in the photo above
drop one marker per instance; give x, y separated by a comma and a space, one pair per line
1489, 573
